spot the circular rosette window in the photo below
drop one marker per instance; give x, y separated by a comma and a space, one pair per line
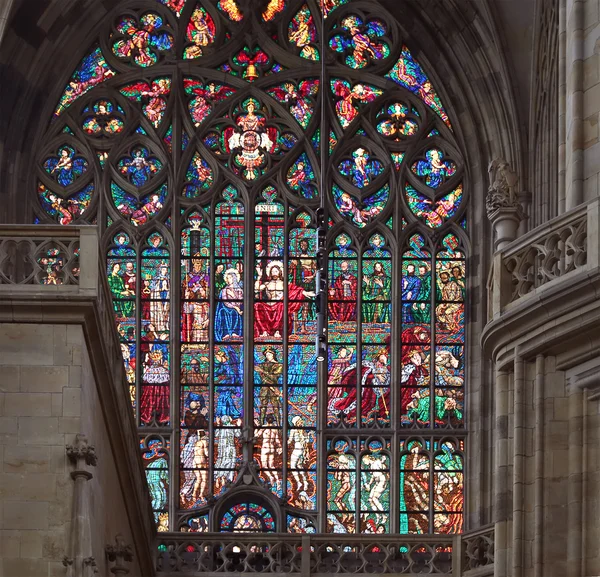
103, 118
360, 40
138, 166
434, 167
361, 190
433, 188
65, 165
361, 167
65, 182
141, 40
253, 140
398, 120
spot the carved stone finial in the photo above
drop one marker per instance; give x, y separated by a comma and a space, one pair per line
502, 204
119, 553
82, 451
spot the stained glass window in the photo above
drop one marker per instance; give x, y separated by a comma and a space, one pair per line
208, 146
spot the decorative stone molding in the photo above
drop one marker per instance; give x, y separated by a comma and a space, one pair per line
587, 377
503, 208
119, 553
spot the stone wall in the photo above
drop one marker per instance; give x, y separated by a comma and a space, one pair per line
47, 395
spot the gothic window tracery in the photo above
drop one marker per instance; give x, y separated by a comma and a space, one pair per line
191, 135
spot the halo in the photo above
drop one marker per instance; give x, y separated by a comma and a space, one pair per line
273, 263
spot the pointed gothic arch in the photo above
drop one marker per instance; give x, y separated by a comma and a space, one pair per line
196, 143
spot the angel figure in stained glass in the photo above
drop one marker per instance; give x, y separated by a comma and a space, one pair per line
201, 29
345, 107
434, 170
64, 167
359, 41
142, 41
147, 210
156, 104
66, 215
348, 206
302, 34
298, 177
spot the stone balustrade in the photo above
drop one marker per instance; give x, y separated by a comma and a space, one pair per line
320, 555
545, 256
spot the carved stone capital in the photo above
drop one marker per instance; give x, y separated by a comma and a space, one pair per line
119, 553
81, 452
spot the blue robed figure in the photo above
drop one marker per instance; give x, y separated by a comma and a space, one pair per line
228, 314
411, 285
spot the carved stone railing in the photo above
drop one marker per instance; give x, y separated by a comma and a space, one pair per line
550, 254
42, 255
320, 555
478, 552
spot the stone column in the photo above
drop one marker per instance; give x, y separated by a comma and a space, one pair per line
81, 561
574, 103
501, 505
503, 208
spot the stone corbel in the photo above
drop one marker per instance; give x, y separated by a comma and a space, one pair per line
119, 554
502, 203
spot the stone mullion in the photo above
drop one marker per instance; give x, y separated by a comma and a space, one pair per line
175, 309
284, 381
395, 376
